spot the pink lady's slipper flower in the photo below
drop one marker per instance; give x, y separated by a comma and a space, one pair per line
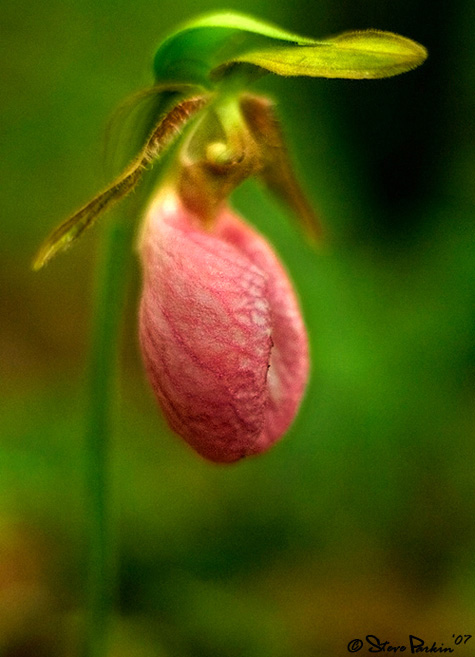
221, 331
220, 328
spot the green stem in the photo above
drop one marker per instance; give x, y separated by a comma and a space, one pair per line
110, 293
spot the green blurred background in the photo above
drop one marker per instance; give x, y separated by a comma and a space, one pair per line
361, 521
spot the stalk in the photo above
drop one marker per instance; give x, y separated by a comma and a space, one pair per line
111, 283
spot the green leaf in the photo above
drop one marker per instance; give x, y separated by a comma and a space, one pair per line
222, 45
356, 55
191, 53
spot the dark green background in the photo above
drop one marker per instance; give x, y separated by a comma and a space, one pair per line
361, 521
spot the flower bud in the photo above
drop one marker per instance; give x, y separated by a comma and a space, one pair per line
221, 332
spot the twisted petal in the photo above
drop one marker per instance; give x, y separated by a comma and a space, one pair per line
221, 332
